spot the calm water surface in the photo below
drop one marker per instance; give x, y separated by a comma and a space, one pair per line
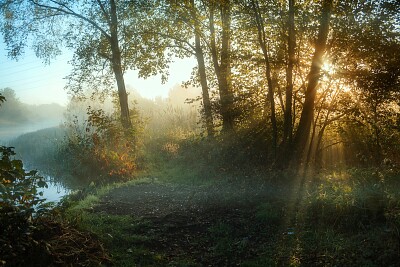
55, 190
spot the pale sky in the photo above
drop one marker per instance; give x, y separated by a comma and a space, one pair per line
37, 83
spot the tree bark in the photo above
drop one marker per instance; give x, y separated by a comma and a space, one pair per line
271, 92
223, 69
202, 75
117, 67
287, 125
307, 115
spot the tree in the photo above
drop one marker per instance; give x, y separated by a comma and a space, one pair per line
307, 115
368, 59
104, 35
202, 70
13, 112
262, 39
208, 24
188, 24
288, 120
221, 59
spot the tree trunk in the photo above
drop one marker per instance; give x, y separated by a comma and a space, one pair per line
307, 115
117, 68
271, 93
223, 70
287, 125
202, 75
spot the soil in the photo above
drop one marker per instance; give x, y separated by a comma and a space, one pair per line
241, 224
162, 200
205, 225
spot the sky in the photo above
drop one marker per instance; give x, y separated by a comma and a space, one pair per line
37, 83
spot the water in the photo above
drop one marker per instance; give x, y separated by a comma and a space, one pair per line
55, 190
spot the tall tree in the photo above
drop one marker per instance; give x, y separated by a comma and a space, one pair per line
185, 37
288, 120
210, 25
222, 59
307, 115
202, 70
103, 34
262, 39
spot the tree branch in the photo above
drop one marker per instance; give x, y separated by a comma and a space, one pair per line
68, 11
104, 12
173, 38
182, 47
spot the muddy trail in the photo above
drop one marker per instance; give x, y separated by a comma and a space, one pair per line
189, 225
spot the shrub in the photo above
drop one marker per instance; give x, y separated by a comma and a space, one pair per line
100, 148
19, 201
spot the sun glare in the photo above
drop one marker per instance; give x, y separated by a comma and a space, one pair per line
328, 69
328, 72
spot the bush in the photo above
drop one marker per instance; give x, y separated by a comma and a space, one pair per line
100, 149
19, 201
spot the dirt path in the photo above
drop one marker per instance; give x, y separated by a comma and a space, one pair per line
159, 200
240, 224
203, 225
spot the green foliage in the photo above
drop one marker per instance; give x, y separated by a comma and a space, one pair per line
18, 187
19, 201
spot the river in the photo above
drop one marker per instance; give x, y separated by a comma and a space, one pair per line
54, 191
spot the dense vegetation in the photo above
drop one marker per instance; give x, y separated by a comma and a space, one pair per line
296, 124
306, 75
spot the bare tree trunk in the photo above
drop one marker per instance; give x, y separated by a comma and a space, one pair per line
202, 74
223, 69
117, 67
204, 88
307, 115
263, 43
287, 125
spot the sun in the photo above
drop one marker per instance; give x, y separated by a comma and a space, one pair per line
328, 69
329, 75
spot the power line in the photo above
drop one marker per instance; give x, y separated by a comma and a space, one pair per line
34, 66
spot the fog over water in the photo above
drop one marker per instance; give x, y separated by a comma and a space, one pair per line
38, 131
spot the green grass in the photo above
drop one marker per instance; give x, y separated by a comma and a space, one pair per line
119, 234
336, 218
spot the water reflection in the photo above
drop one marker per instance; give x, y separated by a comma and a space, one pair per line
55, 190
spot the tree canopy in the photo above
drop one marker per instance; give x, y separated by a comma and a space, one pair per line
287, 74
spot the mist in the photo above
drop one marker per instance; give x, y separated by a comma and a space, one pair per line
281, 147
17, 118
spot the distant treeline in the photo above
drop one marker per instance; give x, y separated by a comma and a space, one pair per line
17, 118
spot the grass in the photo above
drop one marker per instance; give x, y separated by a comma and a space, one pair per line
347, 217
340, 225
124, 236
